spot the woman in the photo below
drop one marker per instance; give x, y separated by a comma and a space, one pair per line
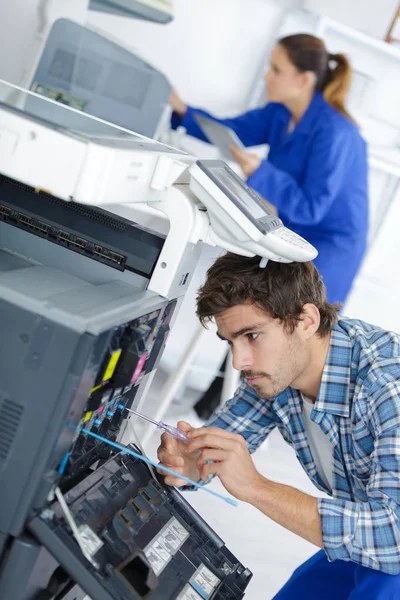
316, 171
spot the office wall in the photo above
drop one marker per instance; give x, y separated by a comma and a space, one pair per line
371, 16
23, 29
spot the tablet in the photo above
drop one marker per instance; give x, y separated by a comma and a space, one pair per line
219, 135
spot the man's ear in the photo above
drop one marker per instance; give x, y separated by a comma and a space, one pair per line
310, 320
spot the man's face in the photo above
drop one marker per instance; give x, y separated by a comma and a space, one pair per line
269, 357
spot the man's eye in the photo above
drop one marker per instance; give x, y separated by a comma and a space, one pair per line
253, 336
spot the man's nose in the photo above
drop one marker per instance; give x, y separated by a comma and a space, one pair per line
241, 359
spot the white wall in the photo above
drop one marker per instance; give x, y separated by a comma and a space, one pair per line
16, 37
370, 16
376, 291
23, 29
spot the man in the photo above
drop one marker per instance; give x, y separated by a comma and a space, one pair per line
332, 387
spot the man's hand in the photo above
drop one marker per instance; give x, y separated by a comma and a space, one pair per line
231, 460
232, 463
248, 162
172, 454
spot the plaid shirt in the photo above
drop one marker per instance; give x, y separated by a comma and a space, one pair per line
358, 408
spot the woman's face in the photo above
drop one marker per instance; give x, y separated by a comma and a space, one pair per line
283, 81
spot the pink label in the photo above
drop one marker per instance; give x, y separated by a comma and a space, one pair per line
139, 368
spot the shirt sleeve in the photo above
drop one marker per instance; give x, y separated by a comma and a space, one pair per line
328, 166
252, 128
368, 533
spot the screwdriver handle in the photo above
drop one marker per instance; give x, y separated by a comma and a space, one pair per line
174, 432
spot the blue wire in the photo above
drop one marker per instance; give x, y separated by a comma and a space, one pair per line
63, 464
154, 464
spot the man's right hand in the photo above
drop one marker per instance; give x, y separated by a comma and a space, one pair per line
172, 454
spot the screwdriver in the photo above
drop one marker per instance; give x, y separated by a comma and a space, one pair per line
172, 431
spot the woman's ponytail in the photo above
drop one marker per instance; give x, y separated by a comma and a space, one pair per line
337, 83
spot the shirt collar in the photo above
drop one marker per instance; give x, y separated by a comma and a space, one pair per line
306, 124
334, 391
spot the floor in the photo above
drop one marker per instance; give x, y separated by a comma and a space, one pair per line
271, 552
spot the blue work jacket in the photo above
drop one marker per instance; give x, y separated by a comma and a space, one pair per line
316, 176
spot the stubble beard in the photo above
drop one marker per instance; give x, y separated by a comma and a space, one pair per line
285, 377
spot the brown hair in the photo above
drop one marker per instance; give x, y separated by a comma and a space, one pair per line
281, 289
308, 53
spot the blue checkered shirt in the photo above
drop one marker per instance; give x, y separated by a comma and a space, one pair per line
358, 408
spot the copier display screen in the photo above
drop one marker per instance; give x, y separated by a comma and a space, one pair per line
241, 193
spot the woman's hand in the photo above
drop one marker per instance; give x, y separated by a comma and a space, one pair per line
177, 104
248, 162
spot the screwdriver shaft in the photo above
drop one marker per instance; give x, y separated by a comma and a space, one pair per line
138, 414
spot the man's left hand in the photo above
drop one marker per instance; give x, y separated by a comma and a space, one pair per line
248, 162
231, 458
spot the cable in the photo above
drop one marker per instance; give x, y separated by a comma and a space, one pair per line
75, 531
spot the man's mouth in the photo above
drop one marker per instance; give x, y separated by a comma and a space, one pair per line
253, 379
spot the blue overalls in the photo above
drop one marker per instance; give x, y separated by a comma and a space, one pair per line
316, 176
318, 579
